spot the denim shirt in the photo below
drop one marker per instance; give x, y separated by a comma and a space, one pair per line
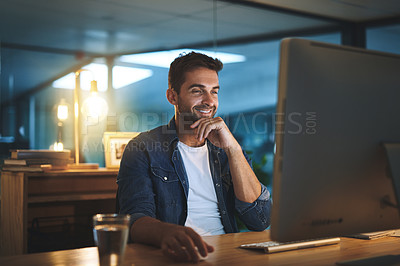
152, 182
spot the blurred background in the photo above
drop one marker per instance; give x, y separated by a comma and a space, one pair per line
128, 46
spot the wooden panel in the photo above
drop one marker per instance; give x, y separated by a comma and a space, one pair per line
13, 214
71, 197
78, 172
64, 225
75, 208
40, 185
82, 181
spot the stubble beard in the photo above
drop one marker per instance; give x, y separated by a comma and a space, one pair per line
188, 117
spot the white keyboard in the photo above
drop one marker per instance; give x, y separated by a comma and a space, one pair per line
273, 246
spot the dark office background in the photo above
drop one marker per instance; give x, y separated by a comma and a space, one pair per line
248, 93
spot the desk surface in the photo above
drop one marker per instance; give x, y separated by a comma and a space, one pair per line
226, 253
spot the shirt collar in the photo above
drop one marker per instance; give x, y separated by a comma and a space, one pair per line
170, 134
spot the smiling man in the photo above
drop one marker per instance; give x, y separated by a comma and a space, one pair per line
187, 179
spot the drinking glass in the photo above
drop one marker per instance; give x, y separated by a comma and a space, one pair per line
110, 233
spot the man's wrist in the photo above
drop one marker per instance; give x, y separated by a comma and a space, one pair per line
232, 149
147, 226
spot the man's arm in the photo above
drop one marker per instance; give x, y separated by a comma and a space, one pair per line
177, 242
253, 201
246, 185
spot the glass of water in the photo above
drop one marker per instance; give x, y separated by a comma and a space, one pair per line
110, 233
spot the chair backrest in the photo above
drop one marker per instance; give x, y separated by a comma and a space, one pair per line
116, 203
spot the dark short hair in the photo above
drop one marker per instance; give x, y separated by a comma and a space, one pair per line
187, 62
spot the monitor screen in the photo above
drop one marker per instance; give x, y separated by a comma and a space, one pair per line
336, 106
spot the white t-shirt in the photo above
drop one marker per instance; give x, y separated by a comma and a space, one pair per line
203, 214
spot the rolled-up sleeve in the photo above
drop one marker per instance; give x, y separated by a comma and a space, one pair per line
255, 215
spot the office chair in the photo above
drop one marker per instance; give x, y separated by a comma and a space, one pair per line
117, 203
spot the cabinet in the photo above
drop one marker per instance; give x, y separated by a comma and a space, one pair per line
71, 194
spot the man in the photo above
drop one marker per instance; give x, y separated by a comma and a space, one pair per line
187, 178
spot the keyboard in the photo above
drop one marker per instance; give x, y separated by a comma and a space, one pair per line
273, 246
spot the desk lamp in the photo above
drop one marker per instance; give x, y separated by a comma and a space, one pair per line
94, 107
62, 115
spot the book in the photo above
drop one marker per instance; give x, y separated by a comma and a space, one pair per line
40, 154
22, 168
49, 167
396, 233
374, 235
14, 162
37, 161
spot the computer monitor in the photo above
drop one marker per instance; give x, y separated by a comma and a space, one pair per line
336, 106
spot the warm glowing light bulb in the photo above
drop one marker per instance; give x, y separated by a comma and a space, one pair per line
95, 107
62, 112
58, 146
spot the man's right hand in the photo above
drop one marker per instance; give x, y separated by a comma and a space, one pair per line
183, 244
177, 242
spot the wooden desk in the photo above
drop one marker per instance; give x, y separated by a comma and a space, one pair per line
226, 253
24, 195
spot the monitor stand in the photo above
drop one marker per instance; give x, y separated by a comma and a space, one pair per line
386, 260
393, 156
392, 151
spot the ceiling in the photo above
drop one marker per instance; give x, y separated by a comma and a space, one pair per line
42, 40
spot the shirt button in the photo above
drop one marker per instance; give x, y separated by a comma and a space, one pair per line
184, 182
216, 161
217, 184
165, 178
223, 212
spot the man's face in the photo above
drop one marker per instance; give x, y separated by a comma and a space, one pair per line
198, 95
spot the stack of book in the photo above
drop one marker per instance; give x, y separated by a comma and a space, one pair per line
37, 160
375, 235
